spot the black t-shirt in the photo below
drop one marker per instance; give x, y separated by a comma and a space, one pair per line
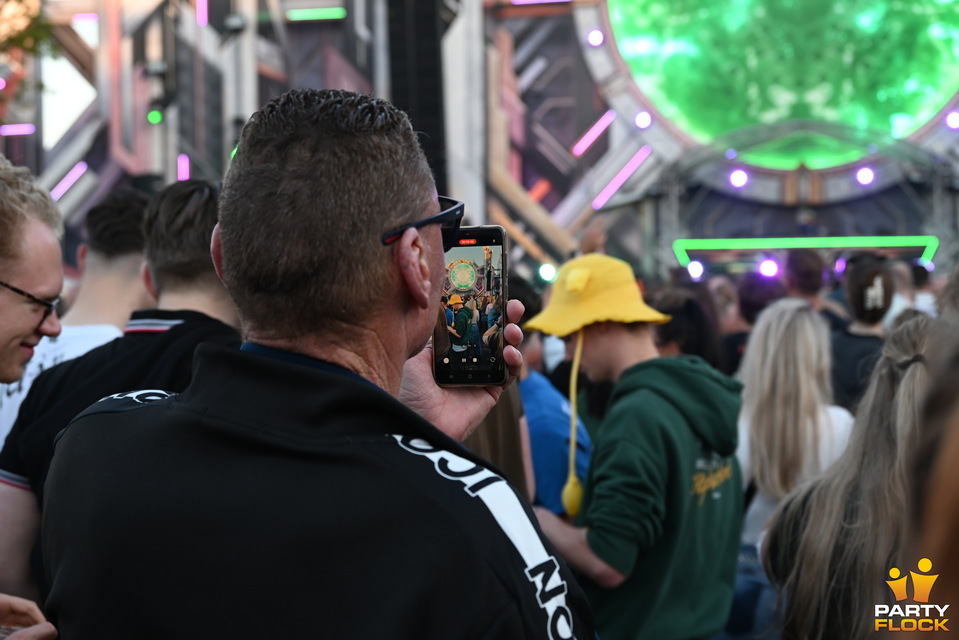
853, 358
273, 499
155, 352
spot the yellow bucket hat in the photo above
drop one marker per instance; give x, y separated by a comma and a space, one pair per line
590, 289
455, 299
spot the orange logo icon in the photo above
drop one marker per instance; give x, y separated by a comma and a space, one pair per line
921, 582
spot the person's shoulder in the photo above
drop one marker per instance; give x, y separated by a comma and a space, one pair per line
635, 414
116, 403
127, 401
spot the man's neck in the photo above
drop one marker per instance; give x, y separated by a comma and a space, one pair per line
813, 299
105, 301
215, 304
354, 347
633, 349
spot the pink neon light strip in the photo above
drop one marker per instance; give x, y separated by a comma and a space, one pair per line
202, 12
594, 132
85, 17
68, 180
621, 177
183, 167
17, 130
539, 1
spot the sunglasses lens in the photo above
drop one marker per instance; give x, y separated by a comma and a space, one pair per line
449, 237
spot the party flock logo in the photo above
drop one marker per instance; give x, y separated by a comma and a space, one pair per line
921, 616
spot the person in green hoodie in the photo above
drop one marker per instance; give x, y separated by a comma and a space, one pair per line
657, 533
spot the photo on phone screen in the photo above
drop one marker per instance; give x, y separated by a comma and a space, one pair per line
468, 339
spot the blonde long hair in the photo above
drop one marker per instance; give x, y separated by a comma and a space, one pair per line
832, 542
786, 386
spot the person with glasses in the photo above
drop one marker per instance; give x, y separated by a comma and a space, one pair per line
31, 269
306, 484
31, 277
155, 351
111, 287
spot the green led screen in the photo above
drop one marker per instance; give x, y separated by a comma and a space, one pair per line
717, 67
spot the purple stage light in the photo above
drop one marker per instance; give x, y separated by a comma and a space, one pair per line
840, 265
3, 84
183, 167
738, 178
731, 154
17, 130
594, 132
202, 12
769, 268
68, 180
595, 38
620, 178
865, 176
643, 120
85, 17
696, 270
952, 120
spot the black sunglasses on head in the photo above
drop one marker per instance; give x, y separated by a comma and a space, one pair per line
449, 220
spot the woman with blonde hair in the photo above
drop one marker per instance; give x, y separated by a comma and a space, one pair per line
789, 432
832, 543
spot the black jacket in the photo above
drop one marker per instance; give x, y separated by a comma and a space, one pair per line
272, 499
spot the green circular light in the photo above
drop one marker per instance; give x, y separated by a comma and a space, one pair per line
547, 272
154, 116
717, 67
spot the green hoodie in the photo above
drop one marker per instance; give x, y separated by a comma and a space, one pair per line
663, 502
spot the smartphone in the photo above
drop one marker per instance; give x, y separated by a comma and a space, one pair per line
468, 339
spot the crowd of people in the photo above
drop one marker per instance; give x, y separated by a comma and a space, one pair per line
232, 428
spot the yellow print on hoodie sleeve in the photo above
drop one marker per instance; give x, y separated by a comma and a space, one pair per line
704, 482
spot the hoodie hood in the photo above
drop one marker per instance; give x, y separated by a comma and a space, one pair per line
708, 400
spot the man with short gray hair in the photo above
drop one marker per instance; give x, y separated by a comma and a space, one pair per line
288, 491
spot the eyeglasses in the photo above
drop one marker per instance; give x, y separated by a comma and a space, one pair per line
449, 220
48, 306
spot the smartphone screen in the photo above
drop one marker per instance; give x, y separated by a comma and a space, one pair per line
468, 339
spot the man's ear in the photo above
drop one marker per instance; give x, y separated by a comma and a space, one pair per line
148, 279
82, 257
216, 251
411, 259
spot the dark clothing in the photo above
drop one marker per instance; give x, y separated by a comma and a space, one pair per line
734, 348
853, 358
663, 501
274, 499
592, 399
155, 352
835, 321
461, 325
498, 439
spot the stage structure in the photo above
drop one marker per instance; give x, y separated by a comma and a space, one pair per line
145, 92
703, 120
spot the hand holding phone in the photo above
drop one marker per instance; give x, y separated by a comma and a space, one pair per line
457, 410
